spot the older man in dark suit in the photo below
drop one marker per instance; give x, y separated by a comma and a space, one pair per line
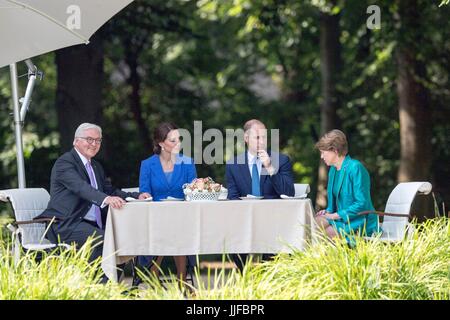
80, 192
258, 172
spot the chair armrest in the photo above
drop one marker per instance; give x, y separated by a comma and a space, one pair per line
380, 213
40, 220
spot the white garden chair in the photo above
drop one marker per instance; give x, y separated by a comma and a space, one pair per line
301, 188
28, 234
397, 213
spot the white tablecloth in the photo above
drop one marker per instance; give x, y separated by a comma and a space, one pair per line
207, 227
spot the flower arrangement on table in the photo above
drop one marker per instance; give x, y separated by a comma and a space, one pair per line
202, 189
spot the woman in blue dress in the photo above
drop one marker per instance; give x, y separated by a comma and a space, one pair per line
163, 175
348, 191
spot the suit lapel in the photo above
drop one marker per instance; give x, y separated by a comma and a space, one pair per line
247, 177
159, 169
342, 174
94, 165
245, 172
97, 175
331, 175
176, 171
79, 162
341, 179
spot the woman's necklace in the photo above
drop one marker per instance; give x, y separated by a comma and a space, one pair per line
167, 165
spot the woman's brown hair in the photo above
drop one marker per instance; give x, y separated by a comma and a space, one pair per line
160, 134
334, 140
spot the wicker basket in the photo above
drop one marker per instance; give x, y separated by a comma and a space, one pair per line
201, 196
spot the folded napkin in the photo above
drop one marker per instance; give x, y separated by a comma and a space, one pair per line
172, 199
252, 196
130, 199
303, 196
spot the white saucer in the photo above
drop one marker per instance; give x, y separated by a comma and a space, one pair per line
285, 197
130, 199
172, 199
251, 198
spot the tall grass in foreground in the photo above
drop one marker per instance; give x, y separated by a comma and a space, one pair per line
5, 235
61, 274
417, 268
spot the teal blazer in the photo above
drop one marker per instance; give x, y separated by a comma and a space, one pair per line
353, 196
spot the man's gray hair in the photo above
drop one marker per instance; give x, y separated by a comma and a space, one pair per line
86, 126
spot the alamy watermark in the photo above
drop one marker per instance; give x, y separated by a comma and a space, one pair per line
74, 19
215, 146
374, 20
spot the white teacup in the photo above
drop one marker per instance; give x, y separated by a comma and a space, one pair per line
223, 193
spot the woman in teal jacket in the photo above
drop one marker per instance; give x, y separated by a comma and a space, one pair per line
348, 190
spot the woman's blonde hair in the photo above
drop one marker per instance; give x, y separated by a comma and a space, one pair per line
334, 140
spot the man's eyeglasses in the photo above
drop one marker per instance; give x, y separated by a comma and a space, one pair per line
91, 140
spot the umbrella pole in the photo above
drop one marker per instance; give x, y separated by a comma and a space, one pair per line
17, 126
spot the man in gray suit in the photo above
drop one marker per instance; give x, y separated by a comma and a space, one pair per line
80, 193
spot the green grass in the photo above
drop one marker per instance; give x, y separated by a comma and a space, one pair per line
60, 275
417, 268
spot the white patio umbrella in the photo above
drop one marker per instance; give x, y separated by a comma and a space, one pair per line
29, 28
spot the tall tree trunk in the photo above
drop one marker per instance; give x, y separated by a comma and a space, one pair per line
79, 88
134, 81
330, 59
414, 109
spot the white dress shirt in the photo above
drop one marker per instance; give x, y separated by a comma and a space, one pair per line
90, 215
251, 160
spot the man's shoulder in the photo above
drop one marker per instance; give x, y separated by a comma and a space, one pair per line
97, 163
66, 157
239, 159
281, 156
